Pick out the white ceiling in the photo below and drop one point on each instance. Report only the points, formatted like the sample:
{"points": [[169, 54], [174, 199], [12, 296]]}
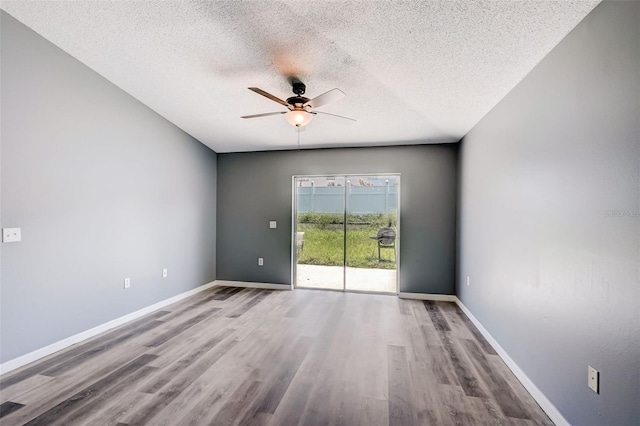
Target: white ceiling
{"points": [[413, 71]]}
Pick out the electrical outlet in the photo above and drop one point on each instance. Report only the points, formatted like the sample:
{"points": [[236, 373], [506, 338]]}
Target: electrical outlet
{"points": [[11, 235], [273, 224], [260, 261], [164, 273], [127, 282], [593, 379], [468, 283]]}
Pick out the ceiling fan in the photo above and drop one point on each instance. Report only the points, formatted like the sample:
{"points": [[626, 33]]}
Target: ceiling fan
{"points": [[300, 110]]}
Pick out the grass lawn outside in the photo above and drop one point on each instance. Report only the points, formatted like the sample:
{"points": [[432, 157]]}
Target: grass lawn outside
{"points": [[326, 246]]}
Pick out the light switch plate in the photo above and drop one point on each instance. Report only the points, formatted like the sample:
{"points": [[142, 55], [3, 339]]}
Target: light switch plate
{"points": [[260, 261], [127, 283], [11, 235], [273, 224], [593, 380], [165, 273]]}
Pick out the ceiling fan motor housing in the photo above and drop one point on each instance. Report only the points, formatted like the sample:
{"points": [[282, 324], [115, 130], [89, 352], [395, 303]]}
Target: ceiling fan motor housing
{"points": [[297, 101]]}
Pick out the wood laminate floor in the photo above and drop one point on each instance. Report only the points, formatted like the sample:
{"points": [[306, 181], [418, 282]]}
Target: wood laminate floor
{"points": [[260, 357]]}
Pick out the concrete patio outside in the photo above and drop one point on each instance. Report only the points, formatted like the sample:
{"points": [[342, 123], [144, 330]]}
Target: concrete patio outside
{"points": [[359, 279]]}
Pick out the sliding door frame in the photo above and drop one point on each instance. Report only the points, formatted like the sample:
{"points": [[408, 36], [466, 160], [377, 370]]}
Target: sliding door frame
{"points": [[294, 228]]}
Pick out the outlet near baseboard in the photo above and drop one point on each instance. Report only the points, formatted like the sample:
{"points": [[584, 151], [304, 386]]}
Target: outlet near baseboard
{"points": [[593, 379]]}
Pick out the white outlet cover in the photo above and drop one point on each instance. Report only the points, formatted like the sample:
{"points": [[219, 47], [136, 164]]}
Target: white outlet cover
{"points": [[593, 379], [260, 261], [164, 273], [273, 224], [11, 235], [468, 283], [127, 282]]}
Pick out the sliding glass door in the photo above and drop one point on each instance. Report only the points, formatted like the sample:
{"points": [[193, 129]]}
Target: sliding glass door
{"points": [[346, 232], [319, 232], [371, 233]]}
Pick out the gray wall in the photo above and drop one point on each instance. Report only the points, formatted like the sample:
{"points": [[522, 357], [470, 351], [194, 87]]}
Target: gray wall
{"points": [[102, 187], [554, 273], [254, 188]]}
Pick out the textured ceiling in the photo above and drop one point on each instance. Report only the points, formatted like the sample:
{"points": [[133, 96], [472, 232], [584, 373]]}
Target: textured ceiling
{"points": [[413, 72]]}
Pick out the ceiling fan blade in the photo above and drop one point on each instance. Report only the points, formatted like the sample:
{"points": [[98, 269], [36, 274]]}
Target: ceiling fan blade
{"points": [[325, 98], [269, 95], [266, 114], [335, 115]]}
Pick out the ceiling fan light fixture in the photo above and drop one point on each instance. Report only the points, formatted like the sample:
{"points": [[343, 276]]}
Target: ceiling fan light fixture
{"points": [[298, 118], [300, 110]]}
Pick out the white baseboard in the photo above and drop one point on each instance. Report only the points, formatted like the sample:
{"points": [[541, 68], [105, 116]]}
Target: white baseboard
{"points": [[425, 296], [544, 403], [65, 343], [266, 286]]}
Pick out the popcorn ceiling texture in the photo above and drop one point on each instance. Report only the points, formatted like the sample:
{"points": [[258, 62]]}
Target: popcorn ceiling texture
{"points": [[413, 72]]}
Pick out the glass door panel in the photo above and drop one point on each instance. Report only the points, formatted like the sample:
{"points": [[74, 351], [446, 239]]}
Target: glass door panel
{"points": [[319, 232], [372, 233]]}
